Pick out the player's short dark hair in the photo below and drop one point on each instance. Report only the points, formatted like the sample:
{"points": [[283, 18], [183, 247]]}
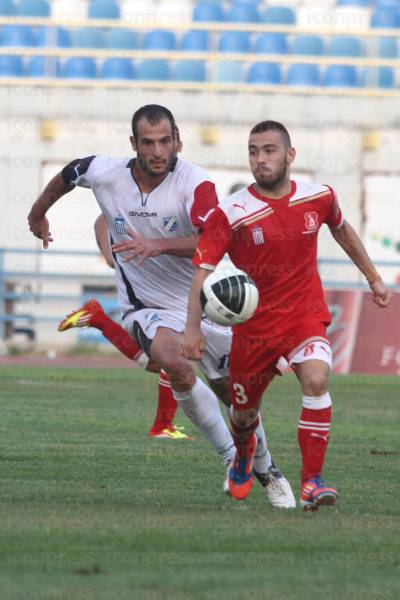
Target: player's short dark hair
{"points": [[154, 113], [273, 126]]}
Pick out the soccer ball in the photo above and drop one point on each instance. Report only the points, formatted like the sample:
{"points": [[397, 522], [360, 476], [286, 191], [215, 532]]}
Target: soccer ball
{"points": [[229, 296]]}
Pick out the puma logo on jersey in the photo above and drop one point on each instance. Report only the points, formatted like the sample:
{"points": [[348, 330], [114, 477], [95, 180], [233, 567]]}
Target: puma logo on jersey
{"points": [[242, 206]]}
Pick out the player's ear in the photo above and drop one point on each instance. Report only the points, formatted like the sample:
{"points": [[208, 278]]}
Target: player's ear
{"points": [[133, 142], [291, 155]]}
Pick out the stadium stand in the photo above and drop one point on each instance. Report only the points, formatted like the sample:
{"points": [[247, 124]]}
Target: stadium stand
{"points": [[103, 9], [7, 8], [33, 8], [118, 68], [307, 75], [80, 67], [265, 73], [11, 66]]}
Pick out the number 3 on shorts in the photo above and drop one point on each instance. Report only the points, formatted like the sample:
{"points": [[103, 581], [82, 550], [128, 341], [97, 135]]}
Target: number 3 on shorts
{"points": [[240, 393]]}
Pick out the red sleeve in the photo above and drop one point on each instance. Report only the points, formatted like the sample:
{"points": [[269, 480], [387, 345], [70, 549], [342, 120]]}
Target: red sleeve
{"points": [[205, 200], [214, 241], [334, 218]]}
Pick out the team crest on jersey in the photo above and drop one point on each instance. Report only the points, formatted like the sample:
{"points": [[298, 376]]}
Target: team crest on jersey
{"points": [[258, 236], [311, 221], [120, 225], [170, 223]]}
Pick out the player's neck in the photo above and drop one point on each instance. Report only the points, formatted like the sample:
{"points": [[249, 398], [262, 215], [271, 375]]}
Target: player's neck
{"points": [[146, 182], [281, 191]]}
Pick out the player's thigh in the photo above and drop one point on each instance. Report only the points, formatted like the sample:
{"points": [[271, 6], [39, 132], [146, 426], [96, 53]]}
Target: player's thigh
{"points": [[312, 364], [220, 387]]}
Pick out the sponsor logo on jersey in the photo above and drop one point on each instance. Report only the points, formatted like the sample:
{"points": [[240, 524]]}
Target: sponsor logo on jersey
{"points": [[170, 223], [258, 236], [242, 206], [311, 221], [135, 213], [120, 225], [152, 318], [223, 363]]}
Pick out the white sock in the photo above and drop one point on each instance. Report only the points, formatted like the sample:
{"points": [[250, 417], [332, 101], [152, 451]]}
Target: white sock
{"points": [[262, 459], [201, 406]]}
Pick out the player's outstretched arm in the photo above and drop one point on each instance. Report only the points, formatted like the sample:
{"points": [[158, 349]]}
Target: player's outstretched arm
{"points": [[348, 239], [141, 247], [193, 343], [38, 223]]}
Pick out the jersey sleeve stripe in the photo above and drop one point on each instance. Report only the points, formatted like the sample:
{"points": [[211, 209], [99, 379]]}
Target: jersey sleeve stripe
{"points": [[310, 198], [264, 212]]}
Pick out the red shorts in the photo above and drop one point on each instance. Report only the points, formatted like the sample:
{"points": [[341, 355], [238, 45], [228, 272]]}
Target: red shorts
{"points": [[253, 360]]}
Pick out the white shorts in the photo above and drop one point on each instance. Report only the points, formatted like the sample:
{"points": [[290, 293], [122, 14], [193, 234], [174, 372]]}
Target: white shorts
{"points": [[143, 324], [312, 350]]}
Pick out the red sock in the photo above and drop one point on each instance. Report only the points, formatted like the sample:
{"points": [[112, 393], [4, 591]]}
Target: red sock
{"points": [[242, 436], [115, 334], [166, 408], [313, 437]]}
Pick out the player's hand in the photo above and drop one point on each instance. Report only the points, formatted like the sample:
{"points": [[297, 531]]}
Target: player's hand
{"points": [[138, 247], [382, 294], [193, 344], [40, 229]]}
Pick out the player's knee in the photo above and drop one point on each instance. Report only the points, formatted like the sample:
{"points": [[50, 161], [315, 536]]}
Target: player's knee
{"points": [[244, 418], [182, 377], [315, 384]]}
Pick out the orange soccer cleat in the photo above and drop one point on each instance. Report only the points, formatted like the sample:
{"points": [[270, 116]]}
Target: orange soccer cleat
{"points": [[314, 493], [81, 316], [241, 471]]}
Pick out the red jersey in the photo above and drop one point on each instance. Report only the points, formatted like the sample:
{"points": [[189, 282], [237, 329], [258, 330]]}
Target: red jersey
{"points": [[275, 242]]}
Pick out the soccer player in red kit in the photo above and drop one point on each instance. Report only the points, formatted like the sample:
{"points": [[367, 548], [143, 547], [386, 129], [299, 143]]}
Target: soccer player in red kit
{"points": [[270, 230]]}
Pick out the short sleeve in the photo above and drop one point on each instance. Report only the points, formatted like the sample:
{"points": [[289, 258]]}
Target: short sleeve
{"points": [[334, 218], [78, 172], [204, 201], [214, 241]]}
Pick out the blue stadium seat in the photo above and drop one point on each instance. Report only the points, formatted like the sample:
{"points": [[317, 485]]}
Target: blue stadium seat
{"points": [[280, 15], [153, 70], [264, 73], [103, 9], [303, 74], [195, 41], [33, 8], [308, 45], [363, 3], [41, 66], [388, 48], [271, 43], [345, 46], [122, 39], [385, 17], [234, 41], [7, 8], [208, 10], [118, 68], [229, 72], [80, 67], [243, 12], [341, 76], [18, 35], [87, 37], [54, 36], [386, 77], [11, 66], [190, 70], [159, 40]]}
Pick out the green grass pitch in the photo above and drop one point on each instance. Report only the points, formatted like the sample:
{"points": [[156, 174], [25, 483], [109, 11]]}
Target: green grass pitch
{"points": [[92, 509]]}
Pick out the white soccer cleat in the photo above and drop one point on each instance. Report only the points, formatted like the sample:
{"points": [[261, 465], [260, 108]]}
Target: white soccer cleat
{"points": [[277, 488], [226, 479]]}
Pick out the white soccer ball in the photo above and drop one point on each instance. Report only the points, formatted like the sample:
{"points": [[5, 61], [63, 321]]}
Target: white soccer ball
{"points": [[229, 296]]}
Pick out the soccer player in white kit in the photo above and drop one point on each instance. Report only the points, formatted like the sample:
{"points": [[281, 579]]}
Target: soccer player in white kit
{"points": [[155, 205]]}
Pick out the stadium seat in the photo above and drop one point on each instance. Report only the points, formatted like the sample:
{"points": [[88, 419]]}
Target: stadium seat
{"points": [[103, 9], [271, 43], [159, 40], [234, 41], [388, 48], [80, 67], [303, 74], [33, 8], [41, 66], [54, 36], [153, 70], [118, 68], [345, 46], [11, 66], [18, 35], [264, 73], [280, 15], [386, 77], [208, 10], [243, 12], [122, 39], [190, 70], [229, 72], [195, 41], [341, 76], [307, 45], [7, 8], [385, 17], [364, 3], [87, 37]]}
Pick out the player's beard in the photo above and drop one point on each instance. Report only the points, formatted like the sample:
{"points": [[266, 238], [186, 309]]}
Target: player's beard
{"points": [[145, 166], [270, 185]]}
